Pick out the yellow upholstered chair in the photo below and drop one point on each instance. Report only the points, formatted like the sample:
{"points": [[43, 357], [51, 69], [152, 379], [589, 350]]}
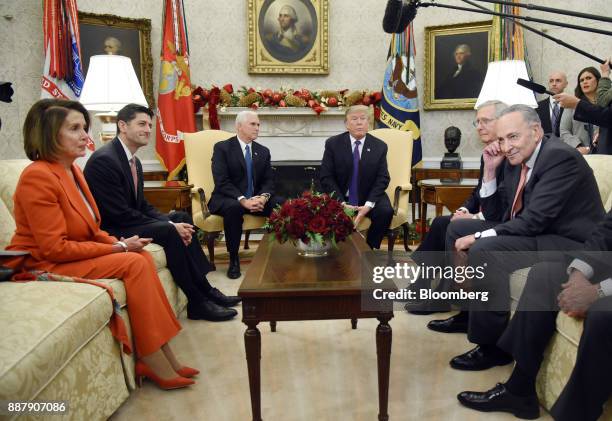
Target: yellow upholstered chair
{"points": [[399, 158], [602, 168], [198, 155]]}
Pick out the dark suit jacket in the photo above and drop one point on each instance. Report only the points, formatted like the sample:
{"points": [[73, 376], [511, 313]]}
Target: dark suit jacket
{"points": [[561, 198], [229, 172], [110, 180], [466, 84], [337, 168], [543, 111], [600, 116], [472, 204]]}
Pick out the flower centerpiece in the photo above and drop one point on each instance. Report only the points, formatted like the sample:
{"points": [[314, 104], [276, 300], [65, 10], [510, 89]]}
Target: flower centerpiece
{"points": [[314, 222]]}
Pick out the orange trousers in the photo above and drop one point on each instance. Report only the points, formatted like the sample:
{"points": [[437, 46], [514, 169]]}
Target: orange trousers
{"points": [[151, 316]]}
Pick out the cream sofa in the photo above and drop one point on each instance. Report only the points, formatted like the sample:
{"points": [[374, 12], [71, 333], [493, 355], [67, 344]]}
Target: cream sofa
{"points": [[56, 344], [560, 356]]}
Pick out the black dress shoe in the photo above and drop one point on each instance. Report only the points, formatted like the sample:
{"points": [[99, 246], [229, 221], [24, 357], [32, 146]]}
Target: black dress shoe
{"points": [[207, 310], [233, 271], [499, 399], [455, 324], [480, 359], [223, 300]]}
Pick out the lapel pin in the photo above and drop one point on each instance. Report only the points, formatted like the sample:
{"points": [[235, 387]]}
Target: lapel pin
{"points": [[368, 149], [255, 153]]}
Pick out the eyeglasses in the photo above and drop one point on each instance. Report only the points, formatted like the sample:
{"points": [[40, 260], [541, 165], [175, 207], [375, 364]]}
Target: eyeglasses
{"points": [[483, 121]]}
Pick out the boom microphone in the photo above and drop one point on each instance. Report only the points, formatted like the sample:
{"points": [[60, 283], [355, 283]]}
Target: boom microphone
{"points": [[398, 15], [535, 87]]}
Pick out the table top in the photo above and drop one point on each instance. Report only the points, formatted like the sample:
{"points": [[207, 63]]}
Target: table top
{"points": [[173, 184], [435, 182], [277, 270], [435, 165]]}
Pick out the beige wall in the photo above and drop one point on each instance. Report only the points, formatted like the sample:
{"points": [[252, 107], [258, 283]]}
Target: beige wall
{"points": [[217, 31]]}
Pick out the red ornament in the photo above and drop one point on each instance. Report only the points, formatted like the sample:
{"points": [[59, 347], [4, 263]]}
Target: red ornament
{"points": [[366, 100], [276, 98], [332, 102], [282, 103], [228, 88]]}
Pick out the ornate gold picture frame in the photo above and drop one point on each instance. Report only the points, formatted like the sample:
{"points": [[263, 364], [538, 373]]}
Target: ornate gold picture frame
{"points": [[106, 34], [456, 59], [288, 36]]}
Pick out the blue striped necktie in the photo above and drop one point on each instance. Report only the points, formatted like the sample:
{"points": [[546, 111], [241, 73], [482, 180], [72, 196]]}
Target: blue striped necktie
{"points": [[249, 169]]}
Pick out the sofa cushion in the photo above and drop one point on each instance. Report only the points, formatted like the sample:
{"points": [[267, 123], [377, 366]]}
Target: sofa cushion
{"points": [[44, 325], [158, 254], [7, 226], [10, 171]]}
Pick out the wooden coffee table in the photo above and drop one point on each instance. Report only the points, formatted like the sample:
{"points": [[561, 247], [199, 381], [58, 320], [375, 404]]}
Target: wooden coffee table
{"points": [[441, 193], [280, 285]]}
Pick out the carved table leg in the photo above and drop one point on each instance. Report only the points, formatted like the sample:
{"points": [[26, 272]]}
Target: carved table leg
{"points": [[383, 354], [252, 344]]}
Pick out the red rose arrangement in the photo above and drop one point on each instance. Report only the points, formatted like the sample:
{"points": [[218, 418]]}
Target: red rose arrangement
{"points": [[311, 217]]}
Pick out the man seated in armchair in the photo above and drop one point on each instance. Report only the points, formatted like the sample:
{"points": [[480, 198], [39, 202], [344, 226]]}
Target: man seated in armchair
{"points": [[354, 170], [243, 183]]}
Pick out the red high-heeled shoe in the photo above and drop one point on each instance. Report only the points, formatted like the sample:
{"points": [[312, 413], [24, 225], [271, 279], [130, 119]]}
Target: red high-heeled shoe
{"points": [[143, 370], [187, 372]]}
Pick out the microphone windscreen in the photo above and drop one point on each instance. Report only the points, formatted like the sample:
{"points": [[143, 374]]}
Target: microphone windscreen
{"points": [[532, 86], [398, 16], [393, 14], [409, 12]]}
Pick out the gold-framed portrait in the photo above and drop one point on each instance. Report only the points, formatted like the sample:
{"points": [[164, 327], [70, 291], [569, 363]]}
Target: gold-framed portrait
{"points": [[110, 34], [288, 36], [456, 59]]}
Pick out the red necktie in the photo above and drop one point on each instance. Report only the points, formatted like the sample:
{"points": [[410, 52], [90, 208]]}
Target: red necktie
{"points": [[134, 175], [517, 204]]}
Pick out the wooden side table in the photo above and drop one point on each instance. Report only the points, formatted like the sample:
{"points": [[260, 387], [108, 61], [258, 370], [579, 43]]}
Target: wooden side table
{"points": [[442, 193], [168, 195], [430, 170]]}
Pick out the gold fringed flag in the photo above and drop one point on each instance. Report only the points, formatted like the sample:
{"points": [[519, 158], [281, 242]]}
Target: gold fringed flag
{"points": [[399, 107], [174, 105], [62, 72]]}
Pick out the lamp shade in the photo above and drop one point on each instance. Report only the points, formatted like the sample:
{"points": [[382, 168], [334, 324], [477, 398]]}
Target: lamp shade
{"points": [[111, 84], [500, 84]]}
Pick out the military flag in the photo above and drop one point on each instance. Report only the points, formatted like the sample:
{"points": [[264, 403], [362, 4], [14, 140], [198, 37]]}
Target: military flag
{"points": [[174, 105], [399, 107]]}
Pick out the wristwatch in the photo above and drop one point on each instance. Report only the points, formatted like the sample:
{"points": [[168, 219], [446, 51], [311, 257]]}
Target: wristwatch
{"points": [[477, 235]]}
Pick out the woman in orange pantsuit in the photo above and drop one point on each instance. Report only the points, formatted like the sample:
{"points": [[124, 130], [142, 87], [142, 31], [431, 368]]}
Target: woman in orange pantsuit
{"points": [[59, 224]]}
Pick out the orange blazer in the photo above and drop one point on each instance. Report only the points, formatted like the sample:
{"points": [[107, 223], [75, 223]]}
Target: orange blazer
{"points": [[53, 222]]}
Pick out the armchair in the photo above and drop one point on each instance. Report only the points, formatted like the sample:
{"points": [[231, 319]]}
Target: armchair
{"points": [[198, 155], [399, 156]]}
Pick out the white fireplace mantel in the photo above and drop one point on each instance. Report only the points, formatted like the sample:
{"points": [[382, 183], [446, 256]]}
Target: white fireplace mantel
{"points": [[291, 134]]}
